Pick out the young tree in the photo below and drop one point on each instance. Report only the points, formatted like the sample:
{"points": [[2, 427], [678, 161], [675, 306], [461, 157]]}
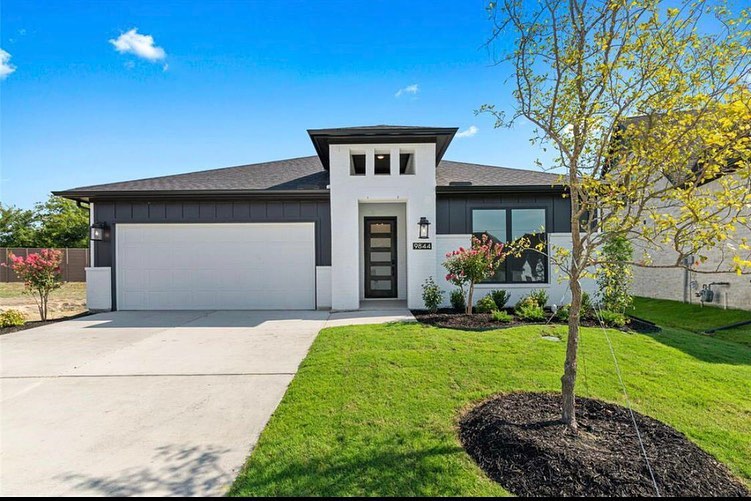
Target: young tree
{"points": [[40, 274], [582, 71]]}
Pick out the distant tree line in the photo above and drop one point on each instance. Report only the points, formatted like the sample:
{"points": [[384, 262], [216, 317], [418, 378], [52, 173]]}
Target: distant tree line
{"points": [[58, 222]]}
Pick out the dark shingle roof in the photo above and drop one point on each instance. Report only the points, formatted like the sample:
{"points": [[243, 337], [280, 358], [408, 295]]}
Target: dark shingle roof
{"points": [[460, 173], [305, 174]]}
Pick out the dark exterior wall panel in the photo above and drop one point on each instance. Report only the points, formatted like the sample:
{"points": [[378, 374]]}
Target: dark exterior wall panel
{"points": [[191, 211], [454, 212]]}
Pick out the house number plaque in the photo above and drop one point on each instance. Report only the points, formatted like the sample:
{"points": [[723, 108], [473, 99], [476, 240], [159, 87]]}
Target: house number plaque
{"points": [[422, 245]]}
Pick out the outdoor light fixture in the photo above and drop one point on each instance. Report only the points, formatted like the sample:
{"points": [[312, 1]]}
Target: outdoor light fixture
{"points": [[380, 157], [97, 232], [424, 226]]}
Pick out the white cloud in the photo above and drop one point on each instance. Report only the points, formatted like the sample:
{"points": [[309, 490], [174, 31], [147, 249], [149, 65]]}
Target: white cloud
{"points": [[471, 131], [141, 45], [410, 89], [5, 67]]}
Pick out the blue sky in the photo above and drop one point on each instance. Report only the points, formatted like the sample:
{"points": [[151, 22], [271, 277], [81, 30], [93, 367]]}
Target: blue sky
{"points": [[239, 82]]}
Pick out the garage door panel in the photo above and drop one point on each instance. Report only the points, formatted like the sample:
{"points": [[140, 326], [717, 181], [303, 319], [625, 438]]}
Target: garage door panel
{"points": [[216, 266]]}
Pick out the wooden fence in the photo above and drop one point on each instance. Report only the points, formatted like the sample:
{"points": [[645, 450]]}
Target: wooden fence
{"points": [[74, 262]]}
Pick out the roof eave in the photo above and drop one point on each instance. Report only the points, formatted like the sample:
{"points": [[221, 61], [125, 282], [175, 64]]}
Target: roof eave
{"points": [[87, 196], [531, 188], [321, 138]]}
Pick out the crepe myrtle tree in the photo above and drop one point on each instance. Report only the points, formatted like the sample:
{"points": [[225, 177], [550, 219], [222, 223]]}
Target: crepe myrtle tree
{"points": [[644, 109], [41, 275], [468, 267]]}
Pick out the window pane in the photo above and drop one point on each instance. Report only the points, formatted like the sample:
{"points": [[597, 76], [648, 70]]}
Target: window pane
{"points": [[531, 266], [527, 222], [490, 221], [380, 257], [380, 285], [380, 228], [380, 242], [380, 271]]}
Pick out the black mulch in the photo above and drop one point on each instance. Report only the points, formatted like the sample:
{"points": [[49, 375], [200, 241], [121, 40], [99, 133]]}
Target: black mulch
{"points": [[449, 319], [39, 323], [519, 441]]}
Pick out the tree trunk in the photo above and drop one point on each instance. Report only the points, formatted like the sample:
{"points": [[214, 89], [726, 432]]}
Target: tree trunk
{"points": [[469, 297], [568, 380]]}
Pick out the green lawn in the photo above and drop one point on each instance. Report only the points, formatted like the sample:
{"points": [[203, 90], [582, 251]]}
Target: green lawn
{"points": [[372, 410], [694, 318]]}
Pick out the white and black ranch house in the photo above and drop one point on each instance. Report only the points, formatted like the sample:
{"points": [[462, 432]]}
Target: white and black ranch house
{"points": [[334, 230]]}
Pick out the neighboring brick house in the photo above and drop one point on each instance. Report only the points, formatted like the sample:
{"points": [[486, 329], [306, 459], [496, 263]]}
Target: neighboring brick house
{"points": [[679, 284]]}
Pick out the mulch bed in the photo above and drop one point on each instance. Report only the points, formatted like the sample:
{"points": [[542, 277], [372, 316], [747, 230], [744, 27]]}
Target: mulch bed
{"points": [[519, 441], [449, 319], [39, 323]]}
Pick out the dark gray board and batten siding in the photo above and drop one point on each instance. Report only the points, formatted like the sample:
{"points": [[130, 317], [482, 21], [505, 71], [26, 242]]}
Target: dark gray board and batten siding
{"points": [[454, 212], [194, 211]]}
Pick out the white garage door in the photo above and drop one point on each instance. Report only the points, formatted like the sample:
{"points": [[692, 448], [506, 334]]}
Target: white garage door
{"points": [[254, 266]]}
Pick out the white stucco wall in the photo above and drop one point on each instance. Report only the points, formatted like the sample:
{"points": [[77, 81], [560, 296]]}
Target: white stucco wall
{"points": [[557, 285], [99, 288], [416, 192], [323, 287]]}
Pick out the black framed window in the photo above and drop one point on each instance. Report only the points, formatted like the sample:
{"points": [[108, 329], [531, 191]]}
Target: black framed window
{"points": [[507, 225]]}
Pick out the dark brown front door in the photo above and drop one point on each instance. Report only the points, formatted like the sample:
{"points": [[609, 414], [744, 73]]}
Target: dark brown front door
{"points": [[380, 257]]}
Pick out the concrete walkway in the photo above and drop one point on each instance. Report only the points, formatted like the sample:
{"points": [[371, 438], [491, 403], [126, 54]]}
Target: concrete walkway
{"points": [[147, 403]]}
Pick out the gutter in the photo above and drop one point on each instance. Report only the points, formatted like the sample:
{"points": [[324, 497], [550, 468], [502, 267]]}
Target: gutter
{"points": [[473, 190]]}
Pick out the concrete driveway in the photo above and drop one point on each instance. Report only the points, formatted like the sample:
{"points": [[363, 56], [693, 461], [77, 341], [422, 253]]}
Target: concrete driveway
{"points": [[143, 403]]}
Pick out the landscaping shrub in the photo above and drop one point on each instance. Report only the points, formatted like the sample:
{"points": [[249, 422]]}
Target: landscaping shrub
{"points": [[486, 304], [500, 297], [502, 316], [11, 318], [540, 296], [613, 318], [432, 295], [457, 300], [587, 308], [529, 309], [614, 275]]}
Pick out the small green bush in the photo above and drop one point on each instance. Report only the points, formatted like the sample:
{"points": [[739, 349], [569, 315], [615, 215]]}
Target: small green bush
{"points": [[432, 295], [12, 318], [528, 309], [540, 296], [563, 313], [613, 318], [486, 304], [502, 316], [500, 297], [457, 301], [587, 308]]}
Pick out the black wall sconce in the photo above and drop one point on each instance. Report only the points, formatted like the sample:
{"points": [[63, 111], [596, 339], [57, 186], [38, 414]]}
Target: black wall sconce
{"points": [[424, 227], [97, 232]]}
